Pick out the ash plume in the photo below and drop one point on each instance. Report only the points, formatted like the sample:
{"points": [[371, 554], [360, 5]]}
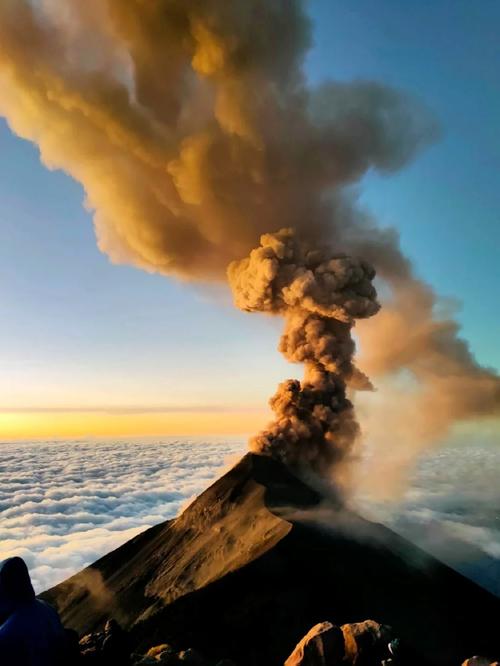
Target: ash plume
{"points": [[320, 295], [193, 131]]}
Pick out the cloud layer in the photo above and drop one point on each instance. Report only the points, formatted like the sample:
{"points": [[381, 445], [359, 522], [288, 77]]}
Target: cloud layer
{"points": [[63, 505], [451, 509]]}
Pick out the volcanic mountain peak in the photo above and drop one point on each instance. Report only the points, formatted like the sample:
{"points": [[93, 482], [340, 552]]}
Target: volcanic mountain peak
{"points": [[259, 558], [232, 523], [235, 521]]}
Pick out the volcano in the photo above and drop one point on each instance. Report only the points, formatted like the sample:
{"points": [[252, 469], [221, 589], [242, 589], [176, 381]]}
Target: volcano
{"points": [[259, 558]]}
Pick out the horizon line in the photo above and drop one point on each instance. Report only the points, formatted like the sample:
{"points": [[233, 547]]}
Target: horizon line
{"points": [[133, 409]]}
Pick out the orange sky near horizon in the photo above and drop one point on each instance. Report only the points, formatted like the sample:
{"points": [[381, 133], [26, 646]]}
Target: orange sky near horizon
{"points": [[34, 425]]}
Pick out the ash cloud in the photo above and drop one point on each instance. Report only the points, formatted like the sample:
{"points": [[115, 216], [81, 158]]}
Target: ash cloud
{"points": [[193, 132], [320, 295], [190, 125]]}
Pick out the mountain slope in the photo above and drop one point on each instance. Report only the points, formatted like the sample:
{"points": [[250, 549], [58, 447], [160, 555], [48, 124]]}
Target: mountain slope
{"points": [[257, 559]]}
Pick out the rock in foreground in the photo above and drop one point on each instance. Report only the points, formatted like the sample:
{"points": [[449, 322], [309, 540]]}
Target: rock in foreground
{"points": [[357, 644], [323, 645]]}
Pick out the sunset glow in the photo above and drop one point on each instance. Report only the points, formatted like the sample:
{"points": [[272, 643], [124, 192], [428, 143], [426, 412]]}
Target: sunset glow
{"points": [[64, 424]]}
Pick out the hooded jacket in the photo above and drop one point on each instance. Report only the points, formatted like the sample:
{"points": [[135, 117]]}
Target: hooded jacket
{"points": [[31, 633]]}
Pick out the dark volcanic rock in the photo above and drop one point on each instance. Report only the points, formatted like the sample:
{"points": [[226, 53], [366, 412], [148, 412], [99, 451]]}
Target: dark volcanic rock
{"points": [[366, 642], [358, 644], [323, 645], [108, 647], [257, 560]]}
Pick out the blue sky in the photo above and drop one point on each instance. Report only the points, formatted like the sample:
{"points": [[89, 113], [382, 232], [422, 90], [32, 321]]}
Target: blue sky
{"points": [[77, 331]]}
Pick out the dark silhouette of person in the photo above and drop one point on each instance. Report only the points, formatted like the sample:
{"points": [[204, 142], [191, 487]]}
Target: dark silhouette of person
{"points": [[31, 633]]}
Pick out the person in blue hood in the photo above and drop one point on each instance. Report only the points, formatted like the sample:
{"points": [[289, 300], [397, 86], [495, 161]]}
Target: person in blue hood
{"points": [[31, 633]]}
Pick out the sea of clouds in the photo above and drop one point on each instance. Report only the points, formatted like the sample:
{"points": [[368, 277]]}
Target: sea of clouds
{"points": [[451, 508], [65, 504]]}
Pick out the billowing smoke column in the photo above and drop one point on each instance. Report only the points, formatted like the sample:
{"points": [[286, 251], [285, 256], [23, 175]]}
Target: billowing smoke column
{"points": [[193, 132], [319, 294], [189, 123]]}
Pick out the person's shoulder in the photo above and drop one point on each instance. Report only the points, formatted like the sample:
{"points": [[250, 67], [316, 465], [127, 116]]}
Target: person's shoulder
{"points": [[43, 605], [49, 612], [6, 626], [12, 627], [46, 609], [33, 613], [8, 639]]}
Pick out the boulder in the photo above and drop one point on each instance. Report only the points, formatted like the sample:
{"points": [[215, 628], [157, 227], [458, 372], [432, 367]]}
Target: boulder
{"points": [[159, 654], [116, 644], [162, 653], [91, 648], [323, 645], [191, 657], [365, 642], [167, 658], [108, 647], [158, 649], [356, 644]]}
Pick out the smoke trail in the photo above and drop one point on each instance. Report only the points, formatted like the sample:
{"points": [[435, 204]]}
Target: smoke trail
{"points": [[193, 132], [427, 376]]}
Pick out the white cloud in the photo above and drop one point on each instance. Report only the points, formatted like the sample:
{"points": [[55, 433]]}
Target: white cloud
{"points": [[63, 505], [452, 508]]}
